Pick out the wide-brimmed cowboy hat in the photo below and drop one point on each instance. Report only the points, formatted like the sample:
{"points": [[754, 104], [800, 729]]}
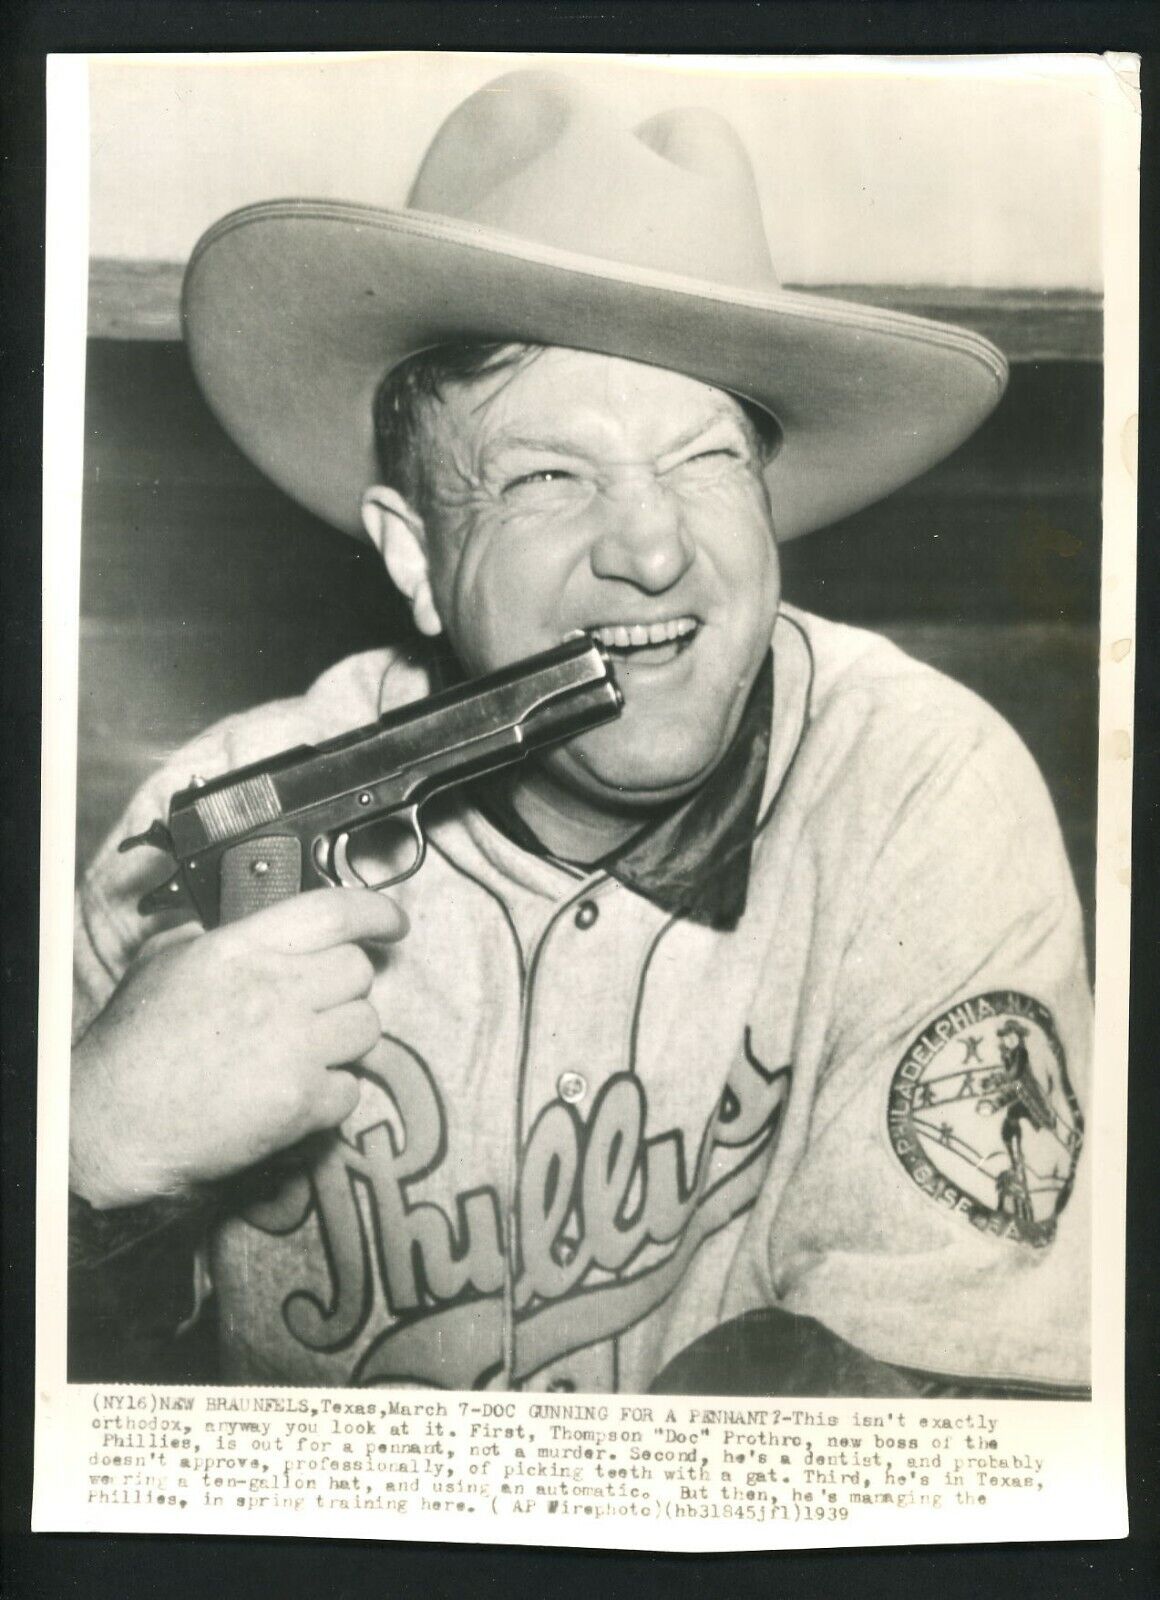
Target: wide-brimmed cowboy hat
{"points": [[538, 217]]}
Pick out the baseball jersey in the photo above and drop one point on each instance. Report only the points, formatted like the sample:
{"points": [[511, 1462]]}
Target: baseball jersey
{"points": [[595, 1127]]}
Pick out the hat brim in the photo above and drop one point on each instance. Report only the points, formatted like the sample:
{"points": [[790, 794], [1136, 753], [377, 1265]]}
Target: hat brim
{"points": [[293, 311]]}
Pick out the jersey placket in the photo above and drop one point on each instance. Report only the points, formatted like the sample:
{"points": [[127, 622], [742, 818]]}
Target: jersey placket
{"points": [[579, 997]]}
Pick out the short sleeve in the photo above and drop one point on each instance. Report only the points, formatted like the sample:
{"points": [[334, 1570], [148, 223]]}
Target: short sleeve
{"points": [[938, 1219]]}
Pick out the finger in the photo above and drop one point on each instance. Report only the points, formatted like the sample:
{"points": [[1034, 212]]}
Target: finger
{"points": [[346, 1032], [331, 977], [337, 1099], [320, 920]]}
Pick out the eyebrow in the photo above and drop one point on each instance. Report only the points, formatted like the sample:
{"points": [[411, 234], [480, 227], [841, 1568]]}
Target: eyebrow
{"points": [[564, 446], [537, 441], [695, 433]]}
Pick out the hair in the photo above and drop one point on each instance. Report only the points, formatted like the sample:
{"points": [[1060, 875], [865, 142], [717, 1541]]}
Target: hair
{"points": [[407, 390]]}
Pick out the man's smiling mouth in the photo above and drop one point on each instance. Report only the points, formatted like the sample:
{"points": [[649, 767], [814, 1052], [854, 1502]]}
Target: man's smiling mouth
{"points": [[646, 643]]}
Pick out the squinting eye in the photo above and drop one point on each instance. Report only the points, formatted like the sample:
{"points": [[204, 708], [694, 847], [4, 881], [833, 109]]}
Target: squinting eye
{"points": [[710, 455], [547, 475], [707, 463]]}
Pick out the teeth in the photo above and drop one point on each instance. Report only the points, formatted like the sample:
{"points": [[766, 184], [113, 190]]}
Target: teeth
{"points": [[635, 635]]}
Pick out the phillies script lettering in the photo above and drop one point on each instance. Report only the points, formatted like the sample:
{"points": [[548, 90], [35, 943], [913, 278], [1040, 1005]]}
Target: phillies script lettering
{"points": [[606, 1220]]}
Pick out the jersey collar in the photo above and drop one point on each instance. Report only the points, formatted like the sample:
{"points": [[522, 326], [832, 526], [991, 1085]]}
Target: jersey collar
{"points": [[694, 861]]}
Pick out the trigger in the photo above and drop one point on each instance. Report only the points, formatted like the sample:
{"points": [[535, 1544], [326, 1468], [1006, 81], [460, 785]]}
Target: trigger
{"points": [[328, 869], [345, 872]]}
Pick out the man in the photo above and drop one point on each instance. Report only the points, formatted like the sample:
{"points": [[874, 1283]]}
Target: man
{"points": [[672, 1067]]}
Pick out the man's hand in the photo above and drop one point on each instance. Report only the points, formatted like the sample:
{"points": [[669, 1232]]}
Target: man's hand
{"points": [[220, 1049]]}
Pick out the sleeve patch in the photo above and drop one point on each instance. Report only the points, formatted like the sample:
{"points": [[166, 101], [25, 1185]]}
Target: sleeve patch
{"points": [[983, 1117]]}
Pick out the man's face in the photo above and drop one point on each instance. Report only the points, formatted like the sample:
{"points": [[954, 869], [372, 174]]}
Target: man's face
{"points": [[581, 491]]}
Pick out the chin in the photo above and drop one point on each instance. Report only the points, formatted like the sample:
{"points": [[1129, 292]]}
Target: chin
{"points": [[637, 778]]}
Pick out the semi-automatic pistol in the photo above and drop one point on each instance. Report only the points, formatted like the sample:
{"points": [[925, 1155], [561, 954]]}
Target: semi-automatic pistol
{"points": [[294, 822]]}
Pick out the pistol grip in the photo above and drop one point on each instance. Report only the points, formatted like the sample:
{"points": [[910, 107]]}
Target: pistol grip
{"points": [[258, 873]]}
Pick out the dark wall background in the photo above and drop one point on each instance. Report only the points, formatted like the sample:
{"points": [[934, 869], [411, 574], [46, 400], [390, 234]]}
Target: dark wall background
{"points": [[205, 590]]}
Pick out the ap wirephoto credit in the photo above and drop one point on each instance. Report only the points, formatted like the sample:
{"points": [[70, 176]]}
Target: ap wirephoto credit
{"points": [[596, 829]]}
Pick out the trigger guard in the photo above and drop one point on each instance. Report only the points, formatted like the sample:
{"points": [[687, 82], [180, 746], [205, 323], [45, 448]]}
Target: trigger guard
{"points": [[347, 876]]}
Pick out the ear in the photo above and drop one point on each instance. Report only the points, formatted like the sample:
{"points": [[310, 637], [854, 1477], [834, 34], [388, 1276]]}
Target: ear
{"points": [[397, 533]]}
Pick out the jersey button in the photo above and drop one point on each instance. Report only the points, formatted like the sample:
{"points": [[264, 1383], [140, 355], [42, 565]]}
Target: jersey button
{"points": [[586, 914], [572, 1086]]}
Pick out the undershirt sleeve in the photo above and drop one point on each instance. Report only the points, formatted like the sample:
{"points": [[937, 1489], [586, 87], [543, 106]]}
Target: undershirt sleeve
{"points": [[132, 1281]]}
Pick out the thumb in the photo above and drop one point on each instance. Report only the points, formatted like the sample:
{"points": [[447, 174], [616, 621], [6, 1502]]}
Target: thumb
{"points": [[169, 939]]}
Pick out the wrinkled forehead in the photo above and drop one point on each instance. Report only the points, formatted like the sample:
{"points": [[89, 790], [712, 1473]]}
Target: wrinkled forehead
{"points": [[554, 397]]}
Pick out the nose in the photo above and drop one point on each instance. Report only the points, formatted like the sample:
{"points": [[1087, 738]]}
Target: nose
{"points": [[644, 541]]}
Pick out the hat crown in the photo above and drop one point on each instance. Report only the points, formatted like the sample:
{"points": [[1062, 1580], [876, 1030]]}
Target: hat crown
{"points": [[536, 155]]}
